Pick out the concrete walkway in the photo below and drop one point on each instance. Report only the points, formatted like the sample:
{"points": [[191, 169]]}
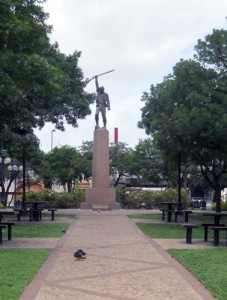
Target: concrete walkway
{"points": [[121, 264]]}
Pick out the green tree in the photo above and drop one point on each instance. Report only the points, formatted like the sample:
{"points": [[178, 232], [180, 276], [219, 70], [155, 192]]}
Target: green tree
{"points": [[186, 113], [38, 83], [21, 145], [148, 164], [64, 166], [120, 157]]}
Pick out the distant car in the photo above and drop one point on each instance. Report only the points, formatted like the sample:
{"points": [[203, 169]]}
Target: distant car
{"points": [[208, 205]]}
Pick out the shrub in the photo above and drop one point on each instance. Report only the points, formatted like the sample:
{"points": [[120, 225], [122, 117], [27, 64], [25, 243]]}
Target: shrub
{"points": [[151, 199], [1, 205], [120, 194], [57, 199], [223, 206]]}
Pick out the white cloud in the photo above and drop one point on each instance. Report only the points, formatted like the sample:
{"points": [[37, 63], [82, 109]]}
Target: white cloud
{"points": [[141, 39]]}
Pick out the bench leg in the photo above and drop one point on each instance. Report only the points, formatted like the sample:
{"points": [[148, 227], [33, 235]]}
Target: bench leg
{"points": [[169, 216], [205, 233], [9, 232], [1, 235], [186, 217], [216, 237], [36, 216], [52, 215], [163, 215], [189, 235]]}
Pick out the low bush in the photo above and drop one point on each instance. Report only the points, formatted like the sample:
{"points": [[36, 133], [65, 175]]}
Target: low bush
{"points": [[223, 206], [151, 199], [57, 199]]}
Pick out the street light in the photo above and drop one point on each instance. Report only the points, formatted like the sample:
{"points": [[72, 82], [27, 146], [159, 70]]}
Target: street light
{"points": [[4, 159], [15, 169], [179, 204], [23, 132], [52, 135]]}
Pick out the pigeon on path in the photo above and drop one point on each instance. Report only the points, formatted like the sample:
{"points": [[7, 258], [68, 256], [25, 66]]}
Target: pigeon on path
{"points": [[80, 254]]}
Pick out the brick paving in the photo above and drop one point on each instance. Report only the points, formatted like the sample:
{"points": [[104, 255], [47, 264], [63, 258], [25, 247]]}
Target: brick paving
{"points": [[121, 264]]}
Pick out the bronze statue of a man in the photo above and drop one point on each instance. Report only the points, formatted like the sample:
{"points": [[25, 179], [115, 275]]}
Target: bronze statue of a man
{"points": [[102, 102]]}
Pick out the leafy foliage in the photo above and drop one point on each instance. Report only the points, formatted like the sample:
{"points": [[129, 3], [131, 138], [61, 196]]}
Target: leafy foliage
{"points": [[65, 166], [150, 199], [148, 164], [58, 199], [119, 161], [38, 83], [186, 113]]}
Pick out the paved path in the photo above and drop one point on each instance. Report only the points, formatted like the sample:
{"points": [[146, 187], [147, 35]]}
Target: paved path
{"points": [[121, 264]]}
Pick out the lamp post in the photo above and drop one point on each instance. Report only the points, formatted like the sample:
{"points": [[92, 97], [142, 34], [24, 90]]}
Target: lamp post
{"points": [[179, 204], [23, 132], [4, 159], [52, 138], [15, 169]]}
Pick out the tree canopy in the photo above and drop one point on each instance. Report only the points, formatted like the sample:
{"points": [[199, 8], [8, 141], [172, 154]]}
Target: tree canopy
{"points": [[64, 166], [38, 83], [187, 112]]}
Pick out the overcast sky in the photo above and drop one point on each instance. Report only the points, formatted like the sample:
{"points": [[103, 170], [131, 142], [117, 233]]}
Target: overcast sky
{"points": [[141, 39]]}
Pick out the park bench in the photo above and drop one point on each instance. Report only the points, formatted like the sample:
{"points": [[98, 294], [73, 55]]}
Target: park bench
{"points": [[168, 212], [206, 226], [182, 212], [52, 210], [1, 228], [20, 212], [216, 230], [35, 214], [9, 226], [163, 214], [189, 227], [168, 208]]}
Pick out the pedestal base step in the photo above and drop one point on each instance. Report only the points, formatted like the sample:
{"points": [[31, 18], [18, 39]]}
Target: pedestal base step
{"points": [[99, 207], [109, 206]]}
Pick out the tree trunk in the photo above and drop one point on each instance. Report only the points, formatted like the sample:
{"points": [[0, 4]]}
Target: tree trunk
{"points": [[69, 186], [118, 179], [217, 194]]}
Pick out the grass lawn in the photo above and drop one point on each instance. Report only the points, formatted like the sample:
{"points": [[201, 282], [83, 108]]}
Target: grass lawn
{"points": [[146, 216], [38, 230], [208, 265], [192, 216], [18, 267], [173, 231], [168, 231]]}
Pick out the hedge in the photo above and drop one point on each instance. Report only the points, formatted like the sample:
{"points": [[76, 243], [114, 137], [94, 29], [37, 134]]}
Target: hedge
{"points": [[150, 199], [57, 199]]}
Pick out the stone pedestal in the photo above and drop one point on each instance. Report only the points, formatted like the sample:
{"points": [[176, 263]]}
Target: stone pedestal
{"points": [[100, 196]]}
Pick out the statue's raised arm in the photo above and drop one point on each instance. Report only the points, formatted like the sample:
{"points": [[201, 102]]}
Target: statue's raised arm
{"points": [[96, 83]]}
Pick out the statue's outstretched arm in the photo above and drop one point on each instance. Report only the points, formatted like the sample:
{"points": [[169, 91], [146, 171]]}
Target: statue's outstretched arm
{"points": [[96, 82]]}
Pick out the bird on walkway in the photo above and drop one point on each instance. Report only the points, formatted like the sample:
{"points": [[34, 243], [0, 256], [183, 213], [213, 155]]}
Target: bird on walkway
{"points": [[80, 254]]}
